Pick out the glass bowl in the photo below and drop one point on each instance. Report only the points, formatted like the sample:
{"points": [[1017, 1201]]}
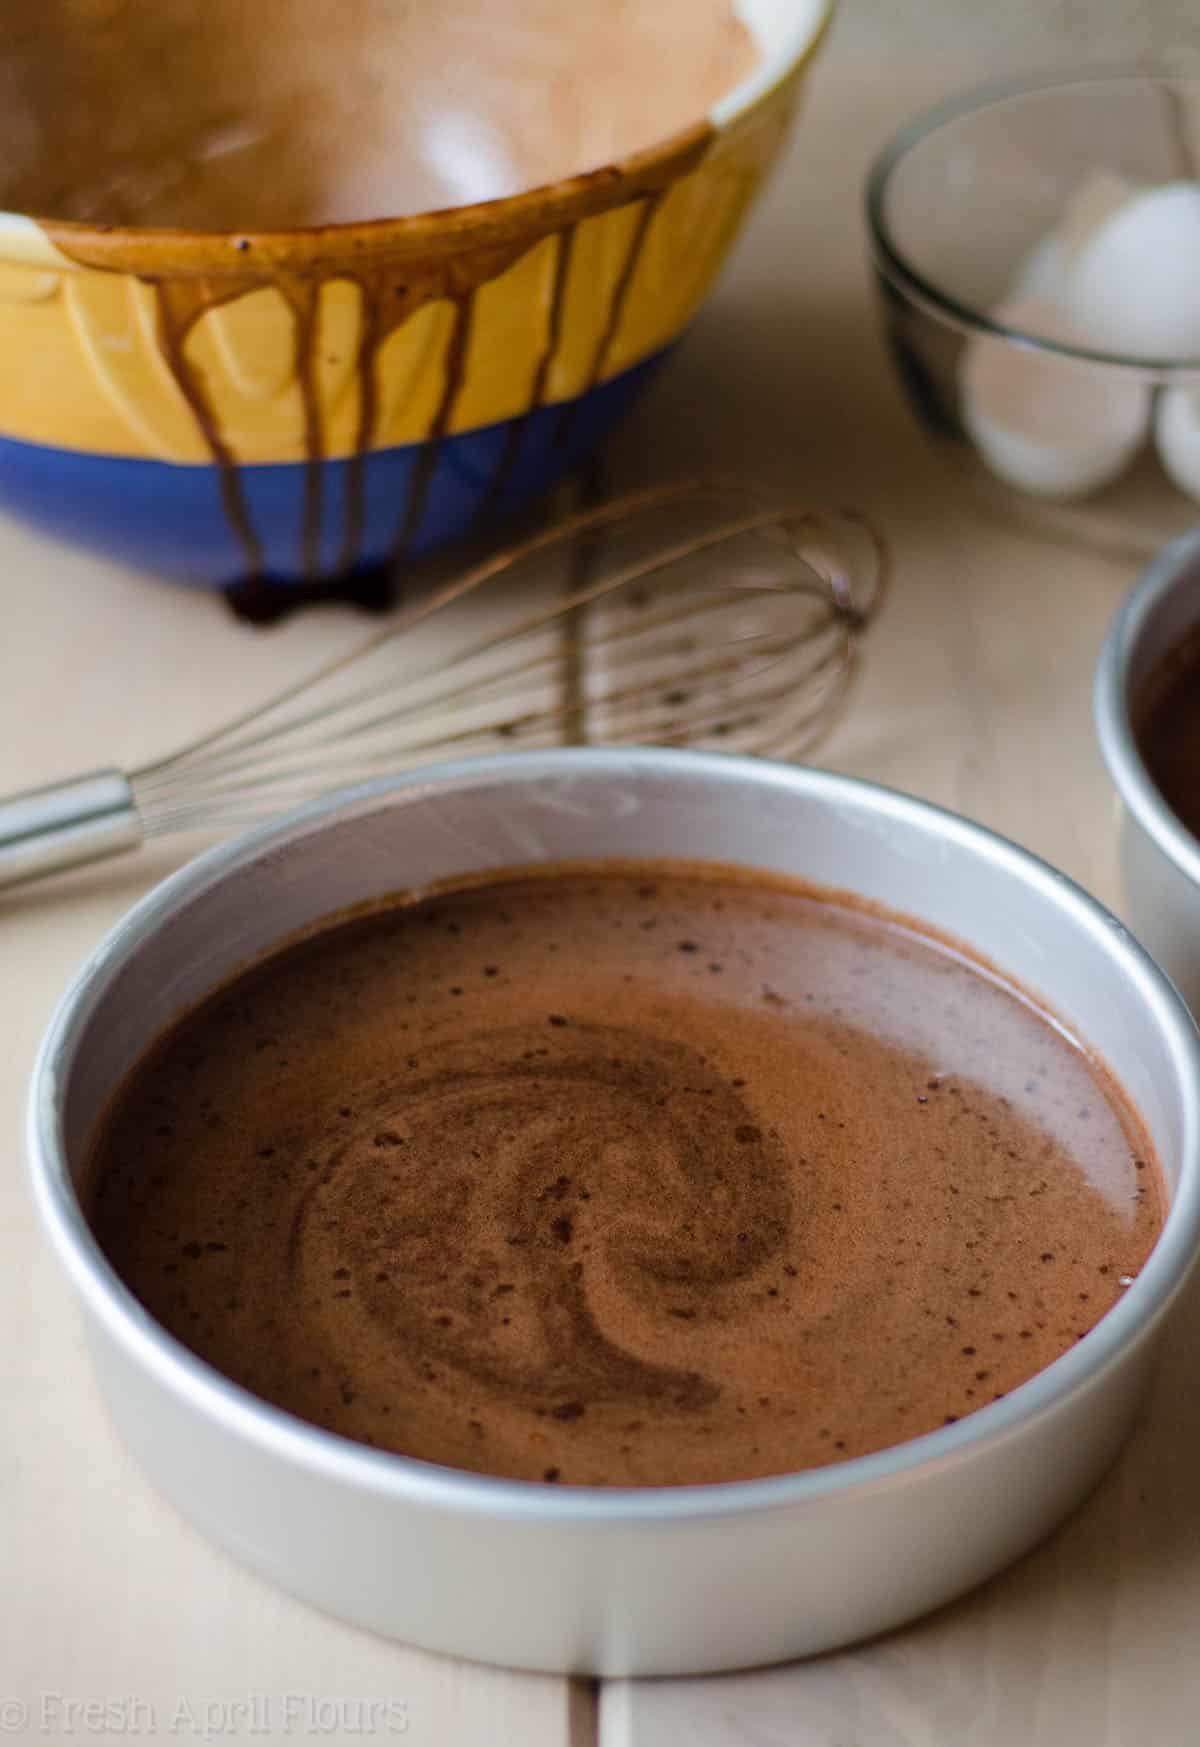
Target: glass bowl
{"points": [[989, 201]]}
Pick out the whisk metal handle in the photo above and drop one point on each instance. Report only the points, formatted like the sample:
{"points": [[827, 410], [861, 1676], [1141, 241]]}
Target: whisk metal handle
{"points": [[67, 824]]}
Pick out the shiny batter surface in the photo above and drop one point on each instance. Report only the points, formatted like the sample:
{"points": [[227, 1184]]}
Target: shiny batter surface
{"points": [[1168, 730], [624, 1177]]}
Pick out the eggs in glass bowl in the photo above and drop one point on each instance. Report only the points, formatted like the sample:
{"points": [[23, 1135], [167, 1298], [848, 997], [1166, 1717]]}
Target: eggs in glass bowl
{"points": [[1037, 253]]}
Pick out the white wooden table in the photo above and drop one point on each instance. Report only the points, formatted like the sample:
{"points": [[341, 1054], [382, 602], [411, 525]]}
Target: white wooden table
{"points": [[975, 695]]}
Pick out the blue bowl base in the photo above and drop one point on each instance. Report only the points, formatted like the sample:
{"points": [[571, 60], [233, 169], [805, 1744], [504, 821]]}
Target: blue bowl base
{"points": [[170, 520]]}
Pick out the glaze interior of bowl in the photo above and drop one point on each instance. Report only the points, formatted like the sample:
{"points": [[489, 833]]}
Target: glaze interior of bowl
{"points": [[218, 115]]}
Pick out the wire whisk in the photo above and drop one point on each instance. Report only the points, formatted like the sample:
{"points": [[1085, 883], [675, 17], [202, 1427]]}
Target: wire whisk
{"points": [[702, 613]]}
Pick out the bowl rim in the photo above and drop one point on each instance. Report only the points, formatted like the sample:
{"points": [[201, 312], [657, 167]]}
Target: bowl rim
{"points": [[342, 1463], [1176, 568], [181, 251], [893, 264]]}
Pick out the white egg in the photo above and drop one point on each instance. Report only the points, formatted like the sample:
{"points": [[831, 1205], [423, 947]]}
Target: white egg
{"points": [[1134, 287], [1098, 198], [1043, 273], [1177, 435], [1050, 426]]}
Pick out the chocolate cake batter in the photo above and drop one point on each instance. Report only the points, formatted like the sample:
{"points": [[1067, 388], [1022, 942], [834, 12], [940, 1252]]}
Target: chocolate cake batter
{"points": [[631, 1176], [1168, 730], [241, 115]]}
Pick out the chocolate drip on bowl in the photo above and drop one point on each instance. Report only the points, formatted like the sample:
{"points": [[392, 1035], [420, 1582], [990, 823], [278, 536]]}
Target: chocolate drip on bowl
{"points": [[241, 144]]}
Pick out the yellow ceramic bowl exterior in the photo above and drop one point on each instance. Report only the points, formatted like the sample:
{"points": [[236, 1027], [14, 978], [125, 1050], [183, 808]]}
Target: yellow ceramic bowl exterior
{"points": [[81, 366], [308, 349]]}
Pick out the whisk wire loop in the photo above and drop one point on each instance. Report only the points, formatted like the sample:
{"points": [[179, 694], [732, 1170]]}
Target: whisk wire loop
{"points": [[698, 612]]}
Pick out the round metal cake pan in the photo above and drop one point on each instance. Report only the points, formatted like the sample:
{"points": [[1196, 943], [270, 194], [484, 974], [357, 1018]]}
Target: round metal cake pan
{"points": [[617, 1581]]}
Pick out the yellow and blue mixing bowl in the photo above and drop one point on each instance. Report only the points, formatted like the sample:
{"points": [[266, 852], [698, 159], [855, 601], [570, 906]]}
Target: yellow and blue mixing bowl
{"points": [[291, 407]]}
